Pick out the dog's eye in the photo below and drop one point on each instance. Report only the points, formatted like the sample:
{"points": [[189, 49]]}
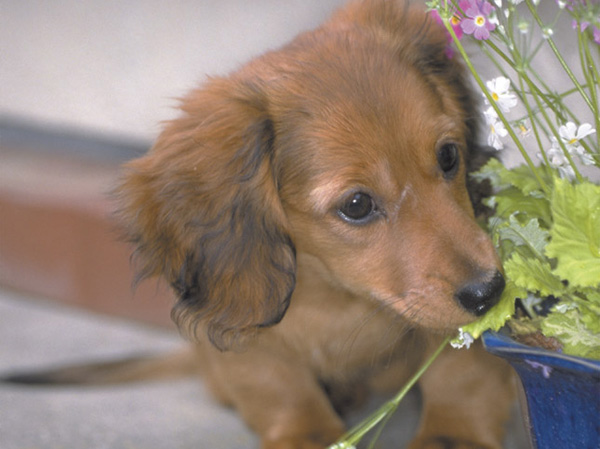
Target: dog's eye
{"points": [[448, 159], [358, 208]]}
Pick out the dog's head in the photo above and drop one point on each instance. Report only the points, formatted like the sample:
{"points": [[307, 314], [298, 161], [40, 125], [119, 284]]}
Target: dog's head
{"points": [[351, 144]]}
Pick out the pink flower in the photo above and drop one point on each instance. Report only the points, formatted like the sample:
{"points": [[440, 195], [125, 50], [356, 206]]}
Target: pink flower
{"points": [[454, 23], [597, 35], [477, 20], [581, 26]]}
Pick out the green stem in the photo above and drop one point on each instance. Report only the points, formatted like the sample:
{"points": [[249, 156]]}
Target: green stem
{"points": [[353, 437], [522, 72], [534, 126], [590, 70], [561, 60], [553, 129], [492, 102]]}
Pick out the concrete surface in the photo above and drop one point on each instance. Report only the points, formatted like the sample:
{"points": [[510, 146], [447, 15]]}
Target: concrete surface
{"points": [[175, 414], [170, 414]]}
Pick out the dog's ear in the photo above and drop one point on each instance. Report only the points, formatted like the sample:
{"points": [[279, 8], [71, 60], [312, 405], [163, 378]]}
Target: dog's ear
{"points": [[203, 210]]}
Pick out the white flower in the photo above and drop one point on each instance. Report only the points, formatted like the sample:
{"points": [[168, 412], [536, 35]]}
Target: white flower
{"points": [[464, 339], [571, 134], [557, 159], [524, 130], [496, 129], [531, 301], [586, 158], [499, 89], [523, 26], [564, 307]]}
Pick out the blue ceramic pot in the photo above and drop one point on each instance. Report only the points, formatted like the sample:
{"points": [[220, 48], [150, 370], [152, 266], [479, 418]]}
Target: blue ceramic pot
{"points": [[562, 394]]}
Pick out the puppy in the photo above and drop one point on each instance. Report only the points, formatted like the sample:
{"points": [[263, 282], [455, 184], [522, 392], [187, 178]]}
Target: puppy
{"points": [[311, 212]]}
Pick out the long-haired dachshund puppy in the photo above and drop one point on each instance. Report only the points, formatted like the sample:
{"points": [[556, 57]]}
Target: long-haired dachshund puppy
{"points": [[312, 213]]}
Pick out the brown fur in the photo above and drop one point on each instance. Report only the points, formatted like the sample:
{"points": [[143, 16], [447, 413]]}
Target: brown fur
{"points": [[237, 207]]}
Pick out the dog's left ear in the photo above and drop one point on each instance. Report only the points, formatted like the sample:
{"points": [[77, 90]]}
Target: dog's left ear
{"points": [[203, 210]]}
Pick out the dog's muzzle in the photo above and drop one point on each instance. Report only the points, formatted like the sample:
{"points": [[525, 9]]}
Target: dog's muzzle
{"points": [[481, 295]]}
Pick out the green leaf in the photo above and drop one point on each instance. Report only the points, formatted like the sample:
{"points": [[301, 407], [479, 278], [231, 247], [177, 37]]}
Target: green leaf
{"points": [[495, 318], [593, 296], [568, 328], [511, 200], [575, 236], [521, 177], [531, 235], [589, 308], [501, 177], [533, 275], [491, 172]]}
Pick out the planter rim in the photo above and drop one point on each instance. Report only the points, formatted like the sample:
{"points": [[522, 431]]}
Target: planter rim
{"points": [[501, 344]]}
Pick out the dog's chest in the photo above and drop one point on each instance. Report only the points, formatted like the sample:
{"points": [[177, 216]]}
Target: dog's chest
{"points": [[339, 333]]}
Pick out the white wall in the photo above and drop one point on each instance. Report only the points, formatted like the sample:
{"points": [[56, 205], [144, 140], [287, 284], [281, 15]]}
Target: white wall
{"points": [[116, 66]]}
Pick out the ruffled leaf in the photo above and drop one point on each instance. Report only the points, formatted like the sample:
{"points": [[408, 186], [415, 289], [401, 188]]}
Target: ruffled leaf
{"points": [[531, 235], [574, 335], [533, 275], [575, 236], [512, 201]]}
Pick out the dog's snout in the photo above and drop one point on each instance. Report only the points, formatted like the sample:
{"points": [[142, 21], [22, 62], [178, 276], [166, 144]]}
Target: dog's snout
{"points": [[480, 295]]}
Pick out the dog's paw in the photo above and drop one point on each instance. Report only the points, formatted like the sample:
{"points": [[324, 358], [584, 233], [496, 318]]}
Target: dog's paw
{"points": [[441, 442]]}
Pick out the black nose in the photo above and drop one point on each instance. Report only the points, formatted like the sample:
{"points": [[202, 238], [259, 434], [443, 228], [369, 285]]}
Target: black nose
{"points": [[479, 296]]}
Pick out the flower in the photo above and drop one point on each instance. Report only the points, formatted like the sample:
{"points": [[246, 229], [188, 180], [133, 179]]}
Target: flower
{"points": [[579, 26], [523, 26], [499, 89], [524, 130], [547, 32], [571, 135], [477, 21], [464, 339], [557, 159], [454, 20], [496, 128], [584, 13]]}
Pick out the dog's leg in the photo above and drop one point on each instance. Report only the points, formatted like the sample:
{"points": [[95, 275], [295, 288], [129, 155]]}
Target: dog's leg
{"points": [[279, 398], [467, 396]]}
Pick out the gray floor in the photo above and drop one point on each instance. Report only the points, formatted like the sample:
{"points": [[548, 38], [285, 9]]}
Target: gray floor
{"points": [[36, 333]]}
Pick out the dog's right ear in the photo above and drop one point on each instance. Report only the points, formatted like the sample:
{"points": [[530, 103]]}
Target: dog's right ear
{"points": [[203, 210]]}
